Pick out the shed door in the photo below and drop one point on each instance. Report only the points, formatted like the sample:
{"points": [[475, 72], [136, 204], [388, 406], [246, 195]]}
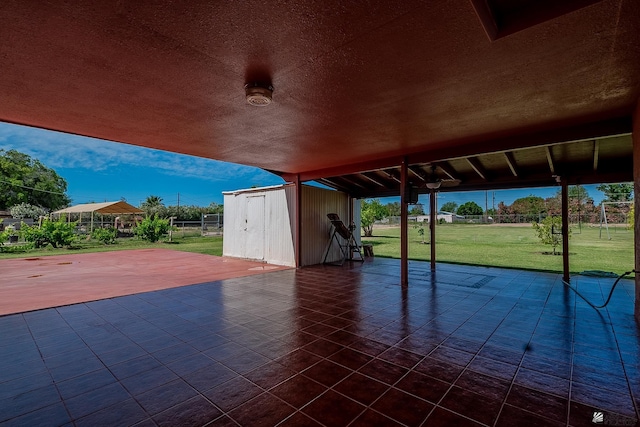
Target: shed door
{"points": [[255, 227]]}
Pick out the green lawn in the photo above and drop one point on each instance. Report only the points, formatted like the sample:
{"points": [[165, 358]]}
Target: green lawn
{"points": [[202, 245], [513, 246]]}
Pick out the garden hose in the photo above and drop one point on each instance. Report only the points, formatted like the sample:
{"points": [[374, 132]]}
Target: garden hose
{"points": [[598, 307]]}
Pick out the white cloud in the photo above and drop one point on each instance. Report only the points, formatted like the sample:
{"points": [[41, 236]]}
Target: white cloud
{"points": [[60, 150]]}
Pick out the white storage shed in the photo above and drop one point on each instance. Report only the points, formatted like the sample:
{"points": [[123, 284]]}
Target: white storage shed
{"points": [[259, 223]]}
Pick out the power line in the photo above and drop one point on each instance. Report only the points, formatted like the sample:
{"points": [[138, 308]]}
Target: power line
{"points": [[31, 188]]}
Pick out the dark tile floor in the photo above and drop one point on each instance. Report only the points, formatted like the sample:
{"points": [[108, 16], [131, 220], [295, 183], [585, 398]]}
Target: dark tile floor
{"points": [[330, 346]]}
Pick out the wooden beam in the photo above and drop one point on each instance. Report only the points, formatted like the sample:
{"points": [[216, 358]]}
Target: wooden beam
{"points": [[552, 167], [511, 162], [447, 169], [352, 182], [565, 230], [298, 222], [475, 164], [596, 154], [419, 173], [433, 218], [393, 177], [373, 180], [404, 225], [329, 183], [636, 204]]}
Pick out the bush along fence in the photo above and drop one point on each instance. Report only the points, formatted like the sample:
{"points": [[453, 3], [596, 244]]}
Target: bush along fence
{"points": [[22, 235]]}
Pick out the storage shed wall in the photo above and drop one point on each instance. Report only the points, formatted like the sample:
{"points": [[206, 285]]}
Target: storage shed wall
{"points": [[269, 234], [259, 225], [315, 226]]}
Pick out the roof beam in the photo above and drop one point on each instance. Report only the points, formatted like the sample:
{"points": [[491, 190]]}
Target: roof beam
{"points": [[446, 168], [511, 162], [596, 155], [418, 172], [552, 167], [391, 175], [582, 132], [475, 164], [373, 180], [351, 181], [329, 183]]}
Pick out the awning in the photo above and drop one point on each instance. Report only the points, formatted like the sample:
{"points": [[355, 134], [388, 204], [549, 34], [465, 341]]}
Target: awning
{"points": [[115, 208]]}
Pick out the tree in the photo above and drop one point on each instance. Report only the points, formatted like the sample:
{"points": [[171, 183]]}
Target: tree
{"points": [[416, 210], [577, 192], [214, 208], [549, 231], [26, 180], [25, 210], [371, 212], [449, 207], [621, 192], [393, 209], [470, 208], [153, 206], [529, 206]]}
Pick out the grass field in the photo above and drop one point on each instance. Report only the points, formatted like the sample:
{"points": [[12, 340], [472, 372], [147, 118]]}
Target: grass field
{"points": [[514, 246], [202, 245]]}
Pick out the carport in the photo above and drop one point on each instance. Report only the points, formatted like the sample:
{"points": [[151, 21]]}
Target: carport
{"points": [[106, 208], [370, 98]]}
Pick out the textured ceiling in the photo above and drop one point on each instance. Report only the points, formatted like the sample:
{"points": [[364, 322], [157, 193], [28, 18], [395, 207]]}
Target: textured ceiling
{"points": [[358, 85]]}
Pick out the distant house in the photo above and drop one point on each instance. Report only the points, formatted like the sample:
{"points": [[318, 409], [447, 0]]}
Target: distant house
{"points": [[448, 217]]}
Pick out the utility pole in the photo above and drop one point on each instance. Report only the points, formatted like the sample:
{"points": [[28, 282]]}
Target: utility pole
{"points": [[178, 208], [486, 206]]}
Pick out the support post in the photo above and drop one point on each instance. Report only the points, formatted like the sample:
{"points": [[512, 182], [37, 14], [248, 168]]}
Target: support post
{"points": [[565, 230], [636, 204], [433, 217], [298, 248], [404, 225]]}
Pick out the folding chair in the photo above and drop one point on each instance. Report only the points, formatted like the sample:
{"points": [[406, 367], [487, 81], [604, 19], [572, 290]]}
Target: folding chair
{"points": [[348, 246]]}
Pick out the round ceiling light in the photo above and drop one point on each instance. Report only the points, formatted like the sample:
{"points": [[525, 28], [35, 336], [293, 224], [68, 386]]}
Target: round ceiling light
{"points": [[258, 95]]}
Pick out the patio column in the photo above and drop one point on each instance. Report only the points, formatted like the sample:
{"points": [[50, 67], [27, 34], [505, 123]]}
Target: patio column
{"points": [[565, 230], [298, 240], [404, 226], [433, 217], [636, 203]]}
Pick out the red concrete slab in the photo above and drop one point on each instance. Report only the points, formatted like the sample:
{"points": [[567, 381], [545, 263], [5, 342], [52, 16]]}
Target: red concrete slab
{"points": [[35, 283]]}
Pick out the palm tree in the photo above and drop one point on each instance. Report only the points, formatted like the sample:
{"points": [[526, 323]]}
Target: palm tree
{"points": [[152, 205]]}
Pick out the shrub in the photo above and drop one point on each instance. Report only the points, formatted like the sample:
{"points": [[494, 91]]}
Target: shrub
{"points": [[4, 235], [57, 233], [152, 228], [105, 235]]}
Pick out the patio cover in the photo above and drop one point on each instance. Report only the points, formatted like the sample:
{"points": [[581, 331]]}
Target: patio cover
{"points": [[116, 208]]}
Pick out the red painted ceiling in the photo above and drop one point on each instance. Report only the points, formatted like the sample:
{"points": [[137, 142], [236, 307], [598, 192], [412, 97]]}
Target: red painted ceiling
{"points": [[355, 82]]}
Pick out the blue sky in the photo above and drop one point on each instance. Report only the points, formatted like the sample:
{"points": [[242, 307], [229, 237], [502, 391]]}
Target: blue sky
{"points": [[98, 171]]}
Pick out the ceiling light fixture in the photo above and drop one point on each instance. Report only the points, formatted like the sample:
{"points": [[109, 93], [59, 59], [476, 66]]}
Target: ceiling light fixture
{"points": [[434, 185], [258, 95]]}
